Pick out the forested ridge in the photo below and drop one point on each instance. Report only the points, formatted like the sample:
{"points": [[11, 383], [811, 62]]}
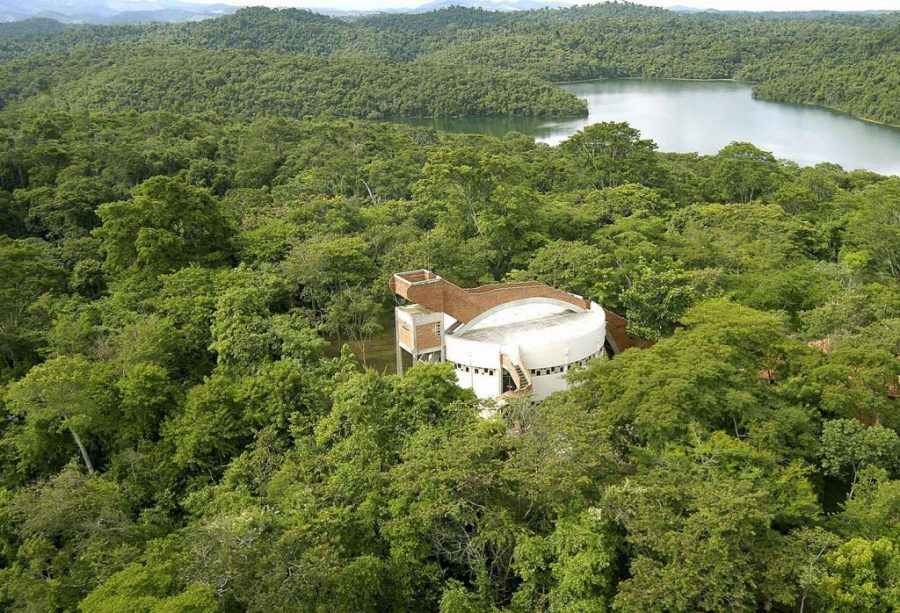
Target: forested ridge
{"points": [[251, 83], [178, 440], [843, 61], [194, 218]]}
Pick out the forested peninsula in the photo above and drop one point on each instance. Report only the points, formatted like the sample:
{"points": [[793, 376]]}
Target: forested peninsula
{"points": [[234, 82], [847, 62]]}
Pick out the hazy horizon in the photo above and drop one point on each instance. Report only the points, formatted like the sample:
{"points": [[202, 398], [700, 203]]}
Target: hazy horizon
{"points": [[723, 5]]}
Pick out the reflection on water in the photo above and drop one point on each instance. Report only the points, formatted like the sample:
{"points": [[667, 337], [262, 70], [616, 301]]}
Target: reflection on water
{"points": [[703, 117]]}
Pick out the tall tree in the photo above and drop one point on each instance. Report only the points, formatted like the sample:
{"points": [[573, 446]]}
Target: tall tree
{"points": [[610, 154], [166, 225], [704, 524], [743, 173], [64, 397]]}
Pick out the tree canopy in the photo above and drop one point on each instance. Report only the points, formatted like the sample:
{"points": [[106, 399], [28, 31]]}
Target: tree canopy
{"points": [[186, 260]]}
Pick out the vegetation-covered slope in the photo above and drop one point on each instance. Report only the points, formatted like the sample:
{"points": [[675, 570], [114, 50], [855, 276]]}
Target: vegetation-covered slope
{"points": [[250, 83], [869, 88], [795, 57]]}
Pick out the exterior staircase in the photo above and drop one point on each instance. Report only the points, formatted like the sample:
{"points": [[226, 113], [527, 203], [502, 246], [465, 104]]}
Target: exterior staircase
{"points": [[521, 376]]}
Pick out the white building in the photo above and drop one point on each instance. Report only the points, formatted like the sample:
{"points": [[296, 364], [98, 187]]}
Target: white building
{"points": [[503, 339]]}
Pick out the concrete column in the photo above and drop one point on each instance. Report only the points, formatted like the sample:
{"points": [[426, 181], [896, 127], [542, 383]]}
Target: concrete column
{"points": [[415, 343], [398, 350]]}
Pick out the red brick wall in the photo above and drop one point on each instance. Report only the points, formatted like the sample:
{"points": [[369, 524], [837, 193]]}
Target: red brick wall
{"points": [[428, 336], [466, 304]]}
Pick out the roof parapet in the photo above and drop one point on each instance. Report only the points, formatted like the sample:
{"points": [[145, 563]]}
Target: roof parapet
{"points": [[401, 282], [437, 294]]}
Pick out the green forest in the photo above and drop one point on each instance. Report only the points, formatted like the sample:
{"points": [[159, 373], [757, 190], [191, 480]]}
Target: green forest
{"points": [[440, 64], [196, 220], [261, 83]]}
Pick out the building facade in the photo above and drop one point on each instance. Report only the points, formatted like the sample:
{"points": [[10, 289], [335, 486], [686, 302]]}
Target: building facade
{"points": [[506, 339]]}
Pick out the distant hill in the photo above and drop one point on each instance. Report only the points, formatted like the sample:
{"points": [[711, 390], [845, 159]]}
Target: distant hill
{"points": [[36, 26], [690, 9], [491, 5], [110, 11], [437, 5]]}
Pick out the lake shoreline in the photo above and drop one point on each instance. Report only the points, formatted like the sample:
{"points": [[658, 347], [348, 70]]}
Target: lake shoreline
{"points": [[702, 116], [603, 79], [833, 110], [739, 82]]}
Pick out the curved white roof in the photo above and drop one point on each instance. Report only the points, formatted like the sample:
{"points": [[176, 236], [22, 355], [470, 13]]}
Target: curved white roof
{"points": [[533, 323]]}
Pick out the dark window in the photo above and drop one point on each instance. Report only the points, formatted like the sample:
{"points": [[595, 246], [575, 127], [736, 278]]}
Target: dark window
{"points": [[508, 384]]}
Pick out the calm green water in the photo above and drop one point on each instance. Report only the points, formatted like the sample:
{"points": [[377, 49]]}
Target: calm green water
{"points": [[704, 116]]}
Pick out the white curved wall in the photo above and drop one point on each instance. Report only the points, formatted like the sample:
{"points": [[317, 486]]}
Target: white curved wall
{"points": [[549, 362], [477, 365], [548, 358]]}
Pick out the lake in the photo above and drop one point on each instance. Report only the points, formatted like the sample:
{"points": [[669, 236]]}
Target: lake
{"points": [[703, 117]]}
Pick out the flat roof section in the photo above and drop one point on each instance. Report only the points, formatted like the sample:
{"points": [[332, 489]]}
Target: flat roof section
{"points": [[531, 324], [416, 309]]}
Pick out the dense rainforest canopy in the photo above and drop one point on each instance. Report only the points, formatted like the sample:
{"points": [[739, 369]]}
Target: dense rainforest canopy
{"points": [[182, 247], [177, 438], [847, 62], [251, 83]]}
